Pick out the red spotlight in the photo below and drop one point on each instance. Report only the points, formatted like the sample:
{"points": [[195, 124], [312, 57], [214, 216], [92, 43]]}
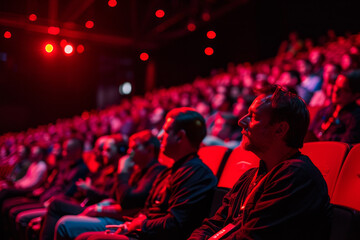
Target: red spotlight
{"points": [[191, 27], [211, 34], [53, 30], [68, 49], [160, 13], [144, 56], [7, 34], [80, 48], [49, 48], [205, 16], [209, 51], [89, 24], [63, 43], [32, 17], [112, 3]]}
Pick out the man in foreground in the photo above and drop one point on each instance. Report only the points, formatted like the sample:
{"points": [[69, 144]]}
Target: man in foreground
{"points": [[180, 197], [286, 197]]}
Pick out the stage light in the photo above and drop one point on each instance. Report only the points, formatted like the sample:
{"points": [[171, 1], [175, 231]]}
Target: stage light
{"points": [[209, 51], [7, 34], [32, 17], [191, 27], [125, 88], [205, 16], [68, 49], [112, 3], [89, 24], [53, 30], [63, 43], [49, 48], [80, 48], [211, 34], [160, 13], [144, 56]]}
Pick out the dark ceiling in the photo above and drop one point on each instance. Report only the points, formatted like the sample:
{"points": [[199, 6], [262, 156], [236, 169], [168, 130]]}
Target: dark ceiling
{"points": [[130, 23]]}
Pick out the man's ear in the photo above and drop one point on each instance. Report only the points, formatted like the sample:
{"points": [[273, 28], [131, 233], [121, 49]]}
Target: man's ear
{"points": [[282, 128], [181, 134]]}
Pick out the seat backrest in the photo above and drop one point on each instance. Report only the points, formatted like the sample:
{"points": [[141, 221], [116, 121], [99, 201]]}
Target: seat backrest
{"points": [[213, 156], [347, 187], [328, 157], [238, 162]]}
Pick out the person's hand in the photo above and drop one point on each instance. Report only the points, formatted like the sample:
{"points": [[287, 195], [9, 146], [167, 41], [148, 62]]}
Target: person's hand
{"points": [[136, 223], [84, 185], [125, 164], [90, 211], [120, 229]]}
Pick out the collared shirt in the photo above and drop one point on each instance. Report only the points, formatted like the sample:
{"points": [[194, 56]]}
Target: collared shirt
{"points": [[291, 202]]}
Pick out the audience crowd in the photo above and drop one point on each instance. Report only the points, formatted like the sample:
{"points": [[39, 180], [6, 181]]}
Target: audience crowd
{"points": [[101, 166]]}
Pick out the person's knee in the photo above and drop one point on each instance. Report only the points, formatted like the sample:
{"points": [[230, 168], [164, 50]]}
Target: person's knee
{"points": [[64, 226]]}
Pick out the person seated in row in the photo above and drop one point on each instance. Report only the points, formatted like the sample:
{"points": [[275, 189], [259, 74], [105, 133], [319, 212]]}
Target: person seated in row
{"points": [[71, 169], [286, 197], [135, 175], [339, 121], [180, 197]]}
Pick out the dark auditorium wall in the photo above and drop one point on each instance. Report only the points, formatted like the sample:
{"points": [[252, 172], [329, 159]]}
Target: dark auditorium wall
{"points": [[38, 90]]}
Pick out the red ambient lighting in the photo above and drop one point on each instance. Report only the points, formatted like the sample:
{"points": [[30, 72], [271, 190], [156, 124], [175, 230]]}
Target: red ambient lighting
{"points": [[191, 27], [144, 56], [32, 17], [211, 34], [80, 48], [160, 13], [63, 43], [89, 24], [112, 3], [209, 51], [49, 48], [7, 34], [68, 49], [53, 30]]}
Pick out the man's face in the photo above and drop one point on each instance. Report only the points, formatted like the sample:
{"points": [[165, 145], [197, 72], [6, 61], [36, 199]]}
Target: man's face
{"points": [[109, 151], [257, 130], [137, 151], [168, 138], [342, 94]]}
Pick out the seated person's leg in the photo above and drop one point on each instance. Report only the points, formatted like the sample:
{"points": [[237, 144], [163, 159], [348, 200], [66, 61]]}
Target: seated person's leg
{"points": [[23, 218], [69, 227]]}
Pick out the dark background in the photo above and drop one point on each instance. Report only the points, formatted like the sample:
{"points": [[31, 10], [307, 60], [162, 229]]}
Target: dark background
{"points": [[36, 88]]}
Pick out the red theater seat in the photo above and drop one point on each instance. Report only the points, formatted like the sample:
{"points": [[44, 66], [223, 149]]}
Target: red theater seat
{"points": [[238, 162], [213, 156], [328, 157], [347, 189]]}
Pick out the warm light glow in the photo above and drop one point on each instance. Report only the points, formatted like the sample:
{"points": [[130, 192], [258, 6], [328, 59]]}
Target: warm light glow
{"points": [[89, 24], [80, 48], [32, 17], [112, 3], [68, 49], [125, 88], [7, 34], [63, 43], [49, 48], [205, 16], [160, 13], [191, 27], [53, 30], [85, 115], [211, 34], [209, 51], [144, 56]]}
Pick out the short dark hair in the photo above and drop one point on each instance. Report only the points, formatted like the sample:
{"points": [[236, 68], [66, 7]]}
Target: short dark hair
{"points": [[191, 122], [146, 138], [289, 107]]}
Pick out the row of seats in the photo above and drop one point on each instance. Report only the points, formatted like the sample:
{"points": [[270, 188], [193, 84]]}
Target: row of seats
{"points": [[339, 165], [338, 162]]}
